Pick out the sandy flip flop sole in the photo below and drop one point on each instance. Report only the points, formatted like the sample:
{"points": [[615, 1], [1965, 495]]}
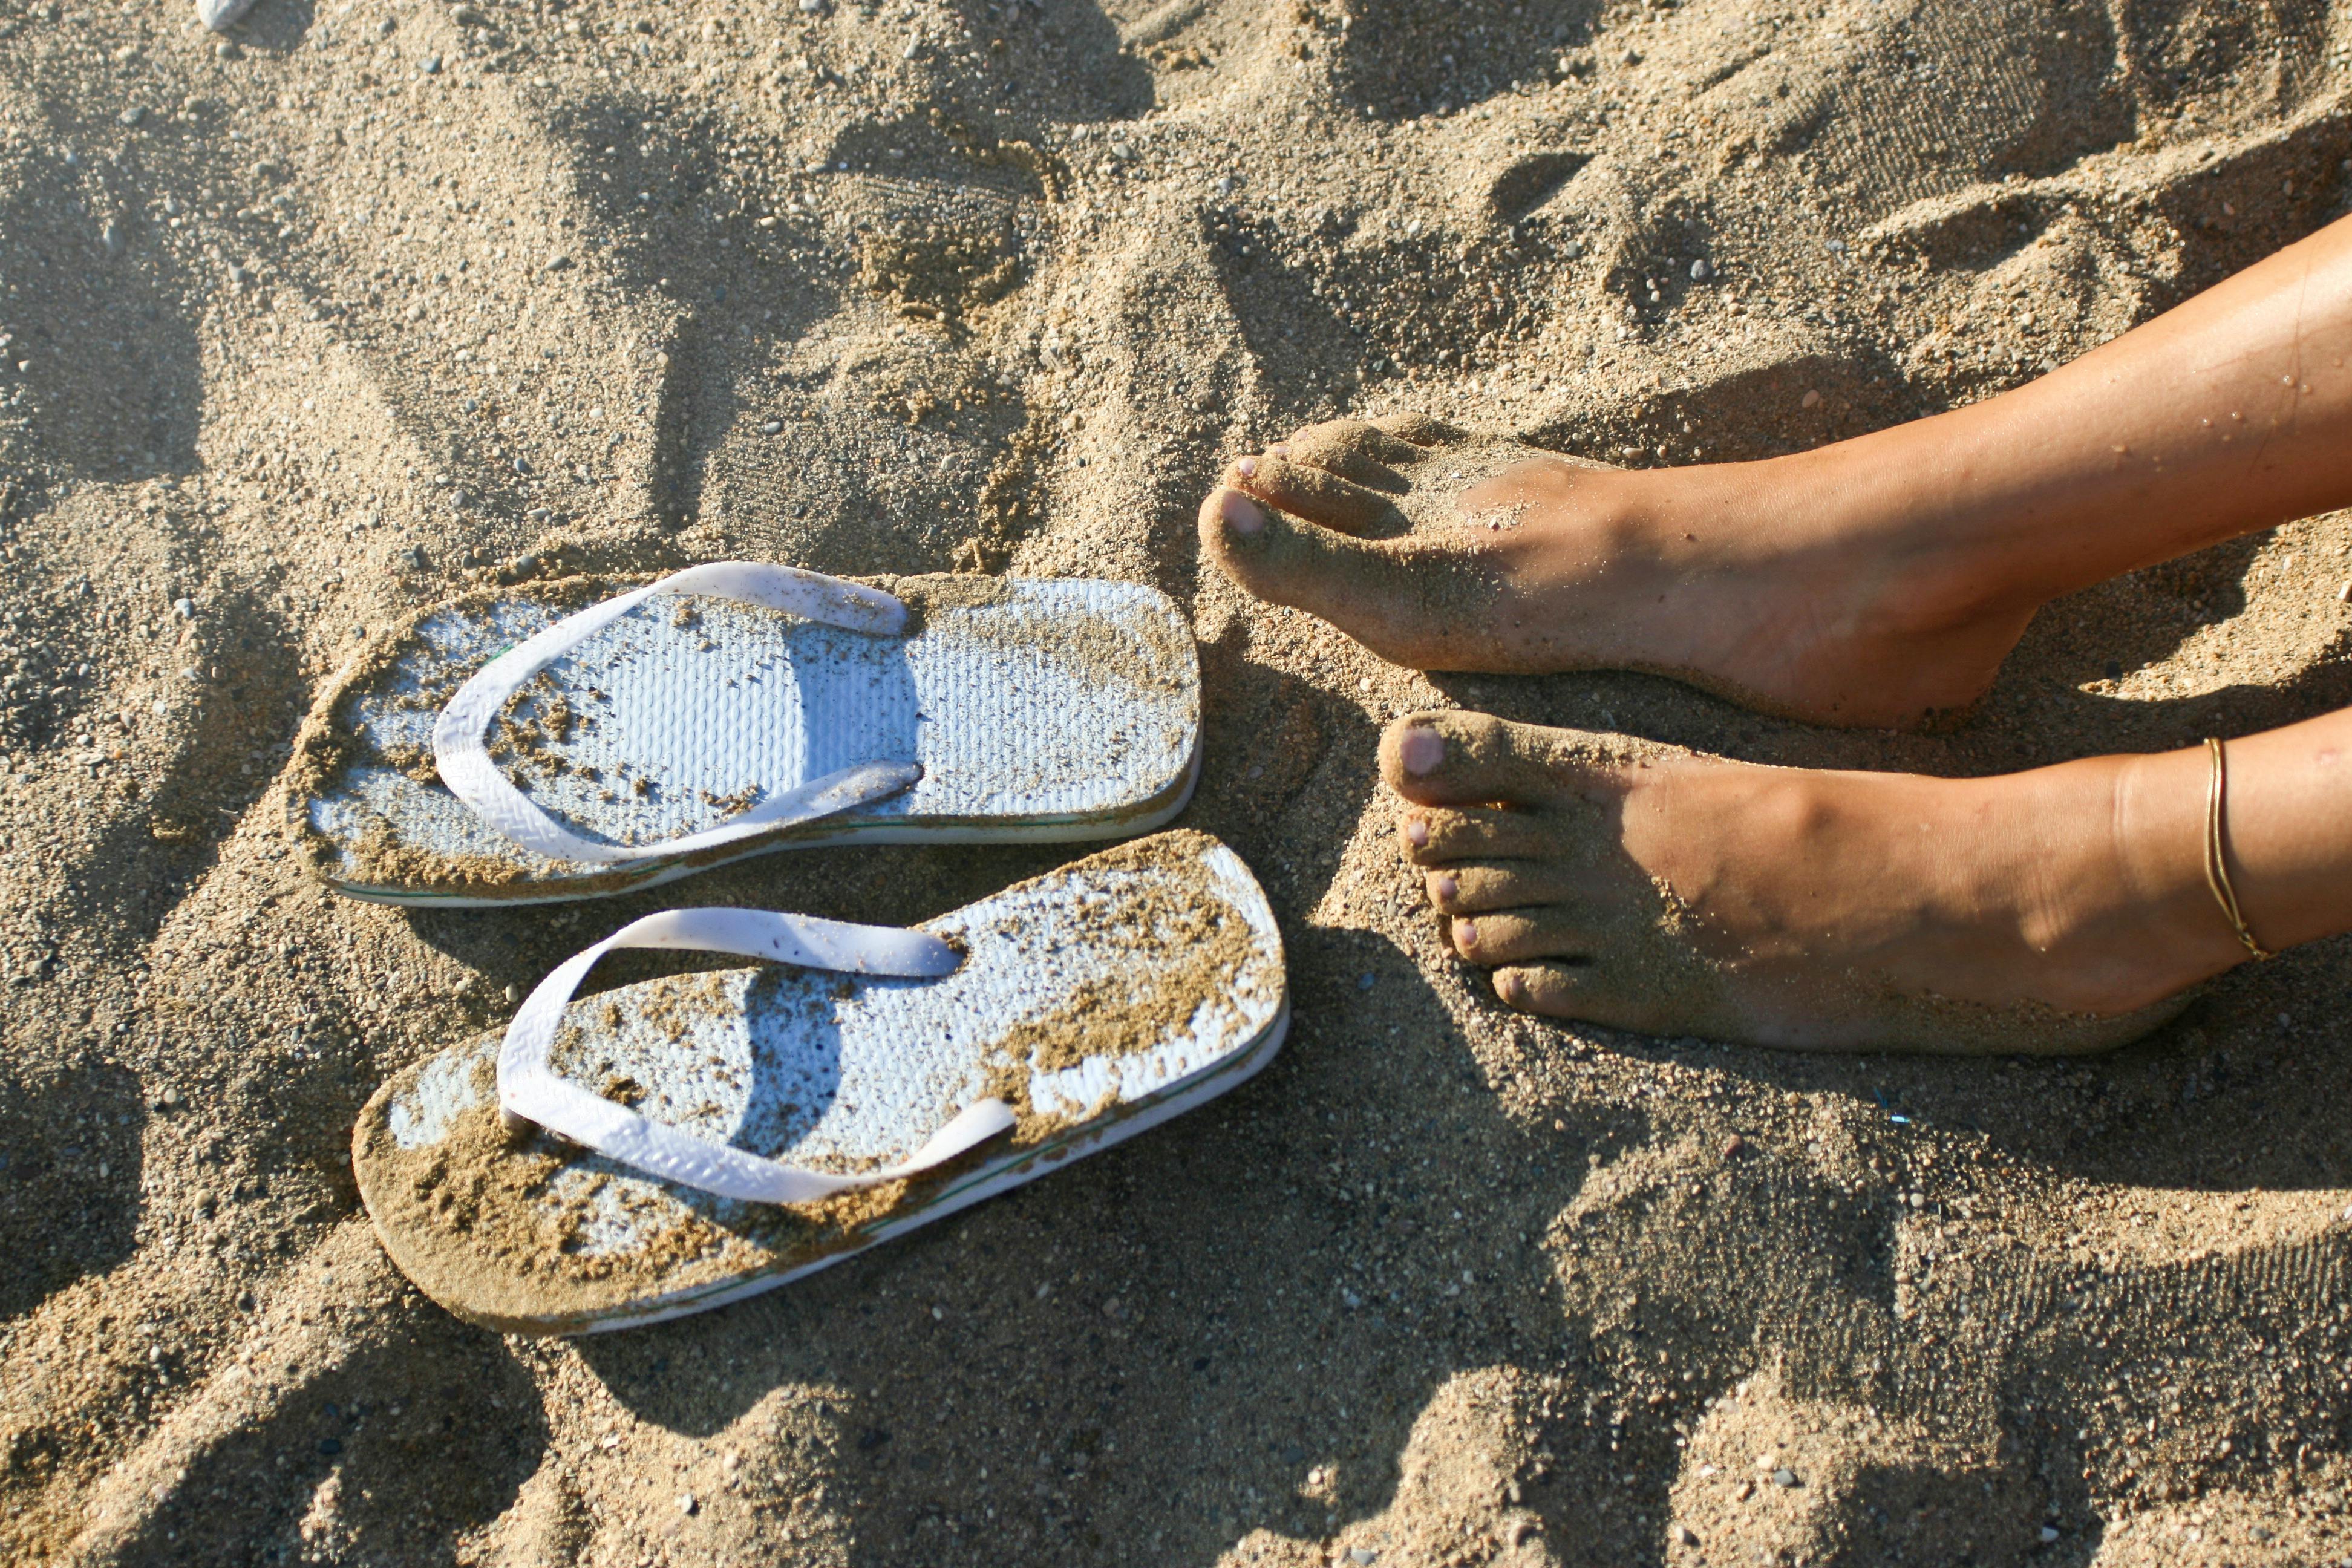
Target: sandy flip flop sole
{"points": [[1081, 1008]]}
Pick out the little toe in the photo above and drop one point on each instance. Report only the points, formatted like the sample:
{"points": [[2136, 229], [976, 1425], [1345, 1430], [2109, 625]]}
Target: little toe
{"points": [[1317, 494], [1433, 835], [1519, 936], [1421, 429], [1586, 992], [1472, 759], [1356, 450]]}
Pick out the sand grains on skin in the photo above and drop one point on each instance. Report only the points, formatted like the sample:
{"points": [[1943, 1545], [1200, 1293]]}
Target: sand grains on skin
{"points": [[1236, 224], [1643, 886]]}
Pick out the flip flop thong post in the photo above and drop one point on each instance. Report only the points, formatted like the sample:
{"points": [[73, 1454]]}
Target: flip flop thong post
{"points": [[557, 741], [669, 1146]]}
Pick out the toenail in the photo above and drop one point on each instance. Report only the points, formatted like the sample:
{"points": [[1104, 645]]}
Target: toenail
{"points": [[1510, 987], [1416, 833], [1444, 888], [1246, 467], [1280, 449], [1421, 750], [1241, 514], [1466, 933]]}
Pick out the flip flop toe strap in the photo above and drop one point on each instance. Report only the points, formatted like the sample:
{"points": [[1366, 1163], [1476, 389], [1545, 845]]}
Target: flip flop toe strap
{"points": [[528, 1086], [463, 759]]}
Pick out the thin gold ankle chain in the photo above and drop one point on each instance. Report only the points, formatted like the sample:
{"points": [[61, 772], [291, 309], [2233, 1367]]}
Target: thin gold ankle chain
{"points": [[2217, 873]]}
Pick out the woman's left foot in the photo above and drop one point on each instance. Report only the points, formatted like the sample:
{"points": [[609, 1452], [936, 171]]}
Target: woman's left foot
{"points": [[1611, 879]]}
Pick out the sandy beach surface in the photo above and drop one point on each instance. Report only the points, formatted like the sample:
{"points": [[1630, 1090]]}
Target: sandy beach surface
{"points": [[364, 303]]}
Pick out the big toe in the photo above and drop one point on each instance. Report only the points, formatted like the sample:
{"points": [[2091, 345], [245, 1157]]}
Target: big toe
{"points": [[1457, 758], [1365, 587]]}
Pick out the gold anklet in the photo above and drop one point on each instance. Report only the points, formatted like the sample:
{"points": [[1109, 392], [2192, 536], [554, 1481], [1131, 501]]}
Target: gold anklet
{"points": [[2217, 874]]}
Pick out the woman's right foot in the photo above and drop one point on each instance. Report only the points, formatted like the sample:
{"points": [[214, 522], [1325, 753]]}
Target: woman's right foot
{"points": [[1776, 584]]}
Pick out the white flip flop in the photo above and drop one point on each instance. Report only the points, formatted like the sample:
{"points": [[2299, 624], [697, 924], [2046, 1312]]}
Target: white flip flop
{"points": [[498, 751], [670, 1146]]}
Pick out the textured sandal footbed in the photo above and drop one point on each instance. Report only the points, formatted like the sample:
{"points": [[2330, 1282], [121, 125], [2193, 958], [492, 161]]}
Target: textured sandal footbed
{"points": [[1058, 709], [831, 1072]]}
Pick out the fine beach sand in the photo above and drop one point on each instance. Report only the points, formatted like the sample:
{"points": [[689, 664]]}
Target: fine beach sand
{"points": [[377, 302]]}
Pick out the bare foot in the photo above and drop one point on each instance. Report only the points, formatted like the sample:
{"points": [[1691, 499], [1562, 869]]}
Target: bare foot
{"points": [[1770, 584], [1648, 888]]}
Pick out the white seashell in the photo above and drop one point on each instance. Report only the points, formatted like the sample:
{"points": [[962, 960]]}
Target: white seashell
{"points": [[220, 16]]}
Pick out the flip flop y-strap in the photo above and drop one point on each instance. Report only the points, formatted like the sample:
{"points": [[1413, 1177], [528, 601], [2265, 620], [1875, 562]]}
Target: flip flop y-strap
{"points": [[530, 1088], [465, 765]]}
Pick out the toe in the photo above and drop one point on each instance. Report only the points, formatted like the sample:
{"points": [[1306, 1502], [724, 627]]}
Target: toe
{"points": [[1317, 494], [1482, 888], [1362, 586], [1355, 450], [1520, 936], [1471, 759], [1420, 429], [1435, 836], [1586, 993]]}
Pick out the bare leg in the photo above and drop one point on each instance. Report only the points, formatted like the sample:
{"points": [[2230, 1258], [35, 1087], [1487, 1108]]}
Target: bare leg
{"points": [[1877, 582], [2063, 909]]}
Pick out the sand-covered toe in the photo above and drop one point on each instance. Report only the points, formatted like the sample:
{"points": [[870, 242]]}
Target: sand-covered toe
{"points": [[1020, 708], [1094, 1001]]}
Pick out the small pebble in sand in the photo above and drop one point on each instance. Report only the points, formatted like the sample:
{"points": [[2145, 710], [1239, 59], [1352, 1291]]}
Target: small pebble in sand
{"points": [[771, 426], [1362, 1556], [686, 1502], [1811, 399], [2049, 1533], [226, 49], [1684, 1536], [132, 116], [1701, 270], [430, 64], [1784, 1477], [2344, 595]]}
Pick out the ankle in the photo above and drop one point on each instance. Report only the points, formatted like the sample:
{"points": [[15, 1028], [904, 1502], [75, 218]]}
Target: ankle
{"points": [[2159, 817]]}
